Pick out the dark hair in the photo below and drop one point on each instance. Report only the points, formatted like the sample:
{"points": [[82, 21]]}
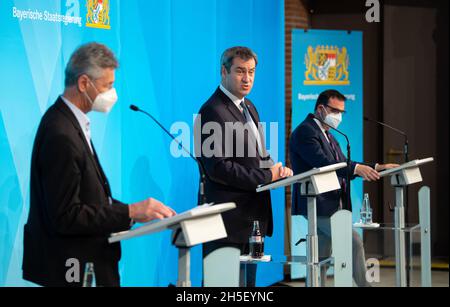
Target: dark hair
{"points": [[244, 53], [325, 96], [89, 59]]}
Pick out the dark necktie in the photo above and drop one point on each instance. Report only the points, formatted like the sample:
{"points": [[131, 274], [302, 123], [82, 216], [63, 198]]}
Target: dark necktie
{"points": [[342, 181], [245, 111], [252, 124], [333, 146]]}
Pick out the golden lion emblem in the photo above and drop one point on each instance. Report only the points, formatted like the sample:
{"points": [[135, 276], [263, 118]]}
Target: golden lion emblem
{"points": [[98, 14], [326, 66]]}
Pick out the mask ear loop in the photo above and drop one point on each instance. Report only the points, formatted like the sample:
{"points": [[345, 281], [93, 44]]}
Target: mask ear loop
{"points": [[86, 95], [324, 108], [92, 83]]}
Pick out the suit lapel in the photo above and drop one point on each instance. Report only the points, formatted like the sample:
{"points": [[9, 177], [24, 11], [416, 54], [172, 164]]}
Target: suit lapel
{"points": [[232, 108], [69, 115], [322, 137], [100, 170], [338, 148], [252, 110], [235, 111]]}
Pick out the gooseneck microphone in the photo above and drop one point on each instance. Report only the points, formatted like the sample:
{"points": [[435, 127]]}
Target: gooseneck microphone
{"points": [[200, 165], [348, 158], [405, 146], [406, 200]]}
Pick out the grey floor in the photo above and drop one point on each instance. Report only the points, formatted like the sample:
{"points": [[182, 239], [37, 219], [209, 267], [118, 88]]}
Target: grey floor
{"points": [[439, 278]]}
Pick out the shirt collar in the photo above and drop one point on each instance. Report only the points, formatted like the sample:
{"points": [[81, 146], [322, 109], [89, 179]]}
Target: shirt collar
{"points": [[321, 128], [319, 124], [233, 98], [82, 118]]}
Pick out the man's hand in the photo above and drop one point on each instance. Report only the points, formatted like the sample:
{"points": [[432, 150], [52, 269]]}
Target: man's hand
{"points": [[149, 209], [382, 167], [366, 172], [279, 171]]}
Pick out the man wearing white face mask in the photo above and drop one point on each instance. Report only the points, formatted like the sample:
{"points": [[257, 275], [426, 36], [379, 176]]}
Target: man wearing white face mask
{"points": [[72, 209], [311, 145], [104, 101]]}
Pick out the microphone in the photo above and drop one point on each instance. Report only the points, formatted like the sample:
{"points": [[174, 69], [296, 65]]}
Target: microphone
{"points": [[202, 170], [405, 151], [348, 157]]}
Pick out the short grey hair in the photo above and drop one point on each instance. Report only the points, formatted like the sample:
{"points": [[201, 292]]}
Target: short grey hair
{"points": [[244, 53], [89, 59]]}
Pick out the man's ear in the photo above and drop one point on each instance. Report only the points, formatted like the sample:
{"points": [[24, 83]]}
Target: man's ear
{"points": [[223, 71], [319, 111], [82, 83]]}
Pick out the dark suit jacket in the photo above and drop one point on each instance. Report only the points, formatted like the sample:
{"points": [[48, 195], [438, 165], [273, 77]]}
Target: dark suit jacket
{"points": [[308, 148], [234, 177], [70, 212]]}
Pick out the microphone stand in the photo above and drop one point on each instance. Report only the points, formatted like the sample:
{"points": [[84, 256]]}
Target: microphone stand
{"points": [[202, 198], [405, 144], [406, 200], [348, 190]]}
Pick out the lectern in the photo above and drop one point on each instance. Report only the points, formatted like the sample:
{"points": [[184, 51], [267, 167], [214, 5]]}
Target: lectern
{"points": [[401, 177], [312, 183], [198, 225]]}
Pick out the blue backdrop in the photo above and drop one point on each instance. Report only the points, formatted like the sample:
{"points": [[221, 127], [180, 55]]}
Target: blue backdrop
{"points": [[321, 60], [169, 65]]}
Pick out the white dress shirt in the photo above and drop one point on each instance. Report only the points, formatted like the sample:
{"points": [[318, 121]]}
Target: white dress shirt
{"points": [[321, 128], [82, 119], [237, 102], [233, 98]]}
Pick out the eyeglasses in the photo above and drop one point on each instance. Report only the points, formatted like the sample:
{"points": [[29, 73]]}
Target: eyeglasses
{"points": [[336, 110]]}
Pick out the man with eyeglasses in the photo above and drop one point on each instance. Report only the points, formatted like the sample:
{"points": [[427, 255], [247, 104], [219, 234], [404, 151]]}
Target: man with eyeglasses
{"points": [[311, 145]]}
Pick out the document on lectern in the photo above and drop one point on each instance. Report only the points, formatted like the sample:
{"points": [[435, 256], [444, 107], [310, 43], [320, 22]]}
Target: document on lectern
{"points": [[293, 179], [406, 165], [159, 225]]}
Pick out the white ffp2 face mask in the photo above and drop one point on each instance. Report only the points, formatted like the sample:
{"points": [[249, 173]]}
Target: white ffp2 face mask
{"points": [[333, 119], [104, 101]]}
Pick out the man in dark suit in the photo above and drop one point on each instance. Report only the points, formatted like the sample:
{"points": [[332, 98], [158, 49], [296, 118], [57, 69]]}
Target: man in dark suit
{"points": [[235, 160], [72, 210], [311, 145]]}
